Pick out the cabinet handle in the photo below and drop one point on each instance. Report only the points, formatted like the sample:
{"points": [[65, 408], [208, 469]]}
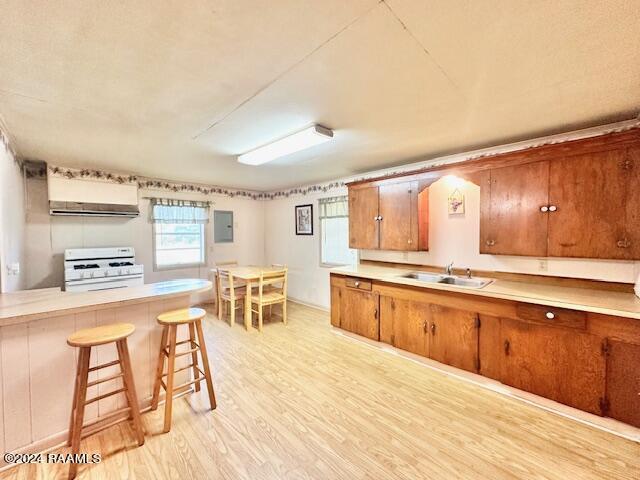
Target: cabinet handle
{"points": [[507, 346], [380, 217], [552, 208], [433, 328], [490, 243], [357, 284], [624, 243], [375, 313], [550, 315], [425, 326], [544, 208], [409, 241]]}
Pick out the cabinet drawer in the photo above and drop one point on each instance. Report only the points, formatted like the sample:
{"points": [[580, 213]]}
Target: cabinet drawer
{"points": [[358, 283], [560, 317]]}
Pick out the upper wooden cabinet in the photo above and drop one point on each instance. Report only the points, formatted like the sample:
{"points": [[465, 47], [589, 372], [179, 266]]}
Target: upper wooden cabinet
{"points": [[511, 220], [388, 217], [363, 218], [588, 196], [578, 198], [584, 205]]}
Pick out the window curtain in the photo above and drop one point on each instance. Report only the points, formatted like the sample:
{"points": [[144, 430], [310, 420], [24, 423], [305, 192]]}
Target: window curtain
{"points": [[334, 207], [165, 210]]}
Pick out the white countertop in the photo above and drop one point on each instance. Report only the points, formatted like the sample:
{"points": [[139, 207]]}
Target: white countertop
{"points": [[589, 300], [29, 305]]}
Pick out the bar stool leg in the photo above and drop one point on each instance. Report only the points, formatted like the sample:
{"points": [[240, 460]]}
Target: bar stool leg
{"points": [[205, 365], [171, 361], [260, 317], [83, 375], [75, 402], [130, 389], [159, 369], [194, 355]]}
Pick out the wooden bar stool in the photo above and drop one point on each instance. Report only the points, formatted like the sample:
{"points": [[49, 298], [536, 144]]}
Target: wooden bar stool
{"points": [[170, 321], [92, 337]]}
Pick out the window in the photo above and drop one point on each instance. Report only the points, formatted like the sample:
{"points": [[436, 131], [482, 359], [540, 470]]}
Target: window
{"points": [[222, 226], [334, 232], [179, 233]]}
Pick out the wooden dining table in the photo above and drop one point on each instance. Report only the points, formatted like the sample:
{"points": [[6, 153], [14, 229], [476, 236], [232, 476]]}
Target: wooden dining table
{"points": [[250, 274]]}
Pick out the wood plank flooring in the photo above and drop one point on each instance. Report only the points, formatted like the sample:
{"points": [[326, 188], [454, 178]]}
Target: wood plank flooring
{"points": [[300, 402]]}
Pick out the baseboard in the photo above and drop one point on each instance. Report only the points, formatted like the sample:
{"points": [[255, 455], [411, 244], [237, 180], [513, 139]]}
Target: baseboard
{"points": [[307, 304]]}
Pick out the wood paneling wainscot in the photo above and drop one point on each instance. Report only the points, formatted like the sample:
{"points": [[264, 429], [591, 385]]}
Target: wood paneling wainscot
{"points": [[38, 369]]}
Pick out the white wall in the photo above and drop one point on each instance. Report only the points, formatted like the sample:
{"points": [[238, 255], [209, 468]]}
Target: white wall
{"points": [[48, 237], [12, 221], [455, 238], [308, 281]]}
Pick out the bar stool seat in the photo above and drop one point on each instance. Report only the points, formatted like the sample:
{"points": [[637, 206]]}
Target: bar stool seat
{"points": [[170, 322], [92, 337], [184, 315], [86, 339]]}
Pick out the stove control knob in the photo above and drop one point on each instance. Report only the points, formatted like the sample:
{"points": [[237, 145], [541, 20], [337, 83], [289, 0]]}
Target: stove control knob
{"points": [[91, 274]]}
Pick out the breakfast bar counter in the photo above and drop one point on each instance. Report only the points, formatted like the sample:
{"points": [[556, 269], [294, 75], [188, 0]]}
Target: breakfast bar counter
{"points": [[37, 367]]}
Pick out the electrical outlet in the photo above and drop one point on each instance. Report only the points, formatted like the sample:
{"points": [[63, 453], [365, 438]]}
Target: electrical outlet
{"points": [[543, 265]]}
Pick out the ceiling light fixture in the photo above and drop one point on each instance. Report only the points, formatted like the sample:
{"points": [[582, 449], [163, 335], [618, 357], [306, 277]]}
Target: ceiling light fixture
{"points": [[295, 142]]}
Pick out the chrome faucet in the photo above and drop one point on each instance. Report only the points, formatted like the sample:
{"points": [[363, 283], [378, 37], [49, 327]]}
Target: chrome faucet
{"points": [[468, 273], [448, 269]]}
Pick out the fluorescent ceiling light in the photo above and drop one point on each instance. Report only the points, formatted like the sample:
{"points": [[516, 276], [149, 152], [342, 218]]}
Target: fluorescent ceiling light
{"points": [[306, 138]]}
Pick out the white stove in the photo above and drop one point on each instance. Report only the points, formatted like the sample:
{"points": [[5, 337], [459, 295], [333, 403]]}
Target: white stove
{"points": [[87, 269]]}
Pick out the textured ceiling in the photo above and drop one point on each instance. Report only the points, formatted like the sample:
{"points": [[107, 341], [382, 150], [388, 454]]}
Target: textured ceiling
{"points": [[177, 89]]}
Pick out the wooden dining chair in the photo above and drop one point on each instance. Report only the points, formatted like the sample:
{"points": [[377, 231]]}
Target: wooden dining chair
{"points": [[229, 293], [272, 290], [226, 263]]}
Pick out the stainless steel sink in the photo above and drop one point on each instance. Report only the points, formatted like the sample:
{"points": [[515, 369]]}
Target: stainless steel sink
{"points": [[424, 277], [473, 282]]}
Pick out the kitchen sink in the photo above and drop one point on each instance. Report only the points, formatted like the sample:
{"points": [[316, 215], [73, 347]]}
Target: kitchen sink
{"points": [[472, 282], [425, 277]]}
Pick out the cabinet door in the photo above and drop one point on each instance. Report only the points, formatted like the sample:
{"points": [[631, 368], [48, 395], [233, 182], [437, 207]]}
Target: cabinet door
{"points": [[511, 222], [336, 298], [632, 221], [623, 382], [404, 324], [363, 213], [359, 312], [399, 222], [454, 337], [561, 364], [588, 191]]}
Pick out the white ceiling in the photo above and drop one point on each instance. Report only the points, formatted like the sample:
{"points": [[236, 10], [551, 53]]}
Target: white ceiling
{"points": [[177, 89]]}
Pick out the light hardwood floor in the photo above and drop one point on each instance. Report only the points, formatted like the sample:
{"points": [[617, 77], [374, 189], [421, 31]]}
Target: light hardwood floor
{"points": [[299, 402]]}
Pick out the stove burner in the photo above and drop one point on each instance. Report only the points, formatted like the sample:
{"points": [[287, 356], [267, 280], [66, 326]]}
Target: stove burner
{"points": [[120, 264], [86, 266]]}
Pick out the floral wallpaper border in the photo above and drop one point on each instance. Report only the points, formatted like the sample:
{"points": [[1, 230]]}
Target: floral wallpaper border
{"points": [[39, 169]]}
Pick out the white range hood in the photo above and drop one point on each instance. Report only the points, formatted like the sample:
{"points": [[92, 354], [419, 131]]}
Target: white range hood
{"points": [[79, 197]]}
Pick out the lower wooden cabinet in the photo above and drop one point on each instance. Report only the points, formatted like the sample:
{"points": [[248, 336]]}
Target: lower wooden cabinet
{"points": [[562, 364], [623, 381], [355, 310], [454, 337], [447, 335], [585, 360], [405, 325]]}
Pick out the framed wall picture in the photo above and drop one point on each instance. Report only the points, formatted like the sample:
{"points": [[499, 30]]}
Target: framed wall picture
{"points": [[304, 219]]}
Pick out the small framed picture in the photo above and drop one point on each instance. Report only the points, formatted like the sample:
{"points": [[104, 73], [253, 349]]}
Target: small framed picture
{"points": [[304, 219]]}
